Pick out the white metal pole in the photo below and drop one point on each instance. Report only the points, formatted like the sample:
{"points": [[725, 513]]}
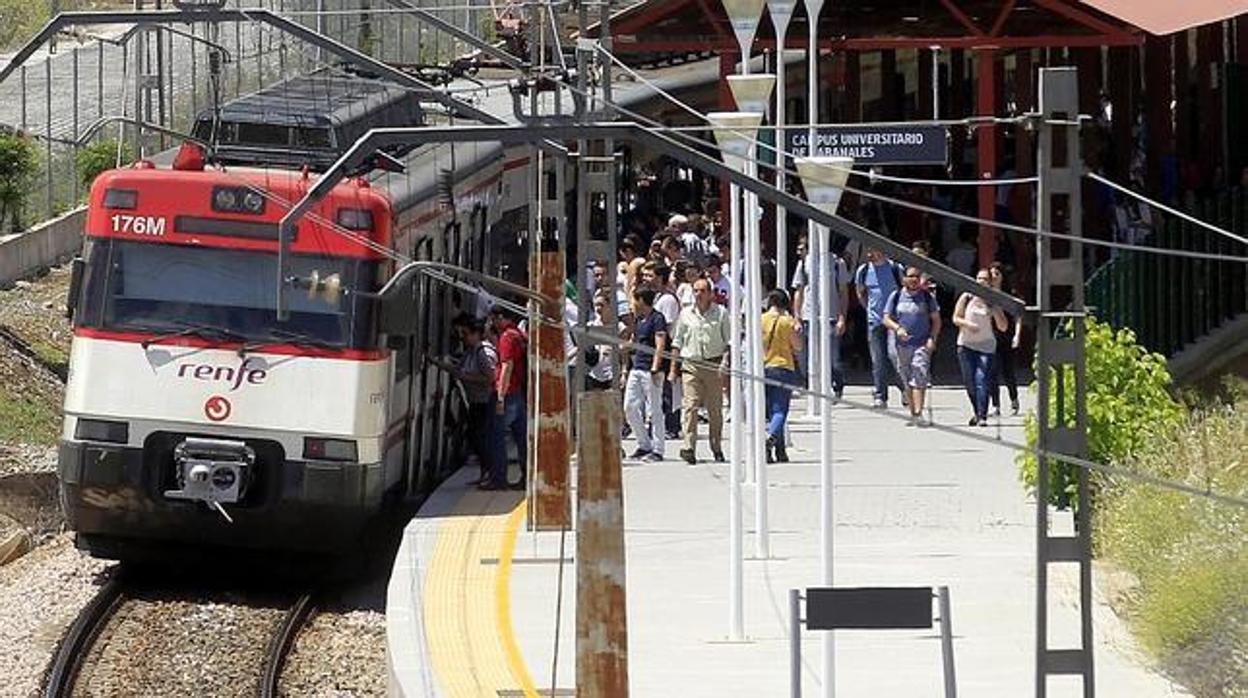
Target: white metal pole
{"points": [[819, 237], [935, 82], [781, 144], [815, 342], [752, 416], [736, 573], [826, 524], [754, 273]]}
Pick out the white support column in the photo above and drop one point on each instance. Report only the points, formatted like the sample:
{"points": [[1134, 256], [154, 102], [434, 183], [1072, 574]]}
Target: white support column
{"points": [[824, 180], [734, 131]]}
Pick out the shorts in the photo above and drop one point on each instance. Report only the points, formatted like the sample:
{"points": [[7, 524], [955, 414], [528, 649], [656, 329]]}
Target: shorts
{"points": [[914, 365]]}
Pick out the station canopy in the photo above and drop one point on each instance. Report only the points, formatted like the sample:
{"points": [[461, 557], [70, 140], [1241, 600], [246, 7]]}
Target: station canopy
{"points": [[1169, 17], [655, 32]]}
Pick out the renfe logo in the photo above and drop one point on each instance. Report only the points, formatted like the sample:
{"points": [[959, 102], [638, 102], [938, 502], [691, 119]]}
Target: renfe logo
{"points": [[217, 408], [225, 374]]}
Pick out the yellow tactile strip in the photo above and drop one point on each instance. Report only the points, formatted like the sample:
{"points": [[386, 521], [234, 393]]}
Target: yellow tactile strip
{"points": [[466, 603]]}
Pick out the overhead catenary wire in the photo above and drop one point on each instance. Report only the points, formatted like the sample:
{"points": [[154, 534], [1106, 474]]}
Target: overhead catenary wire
{"points": [[605, 337], [1158, 205], [658, 128]]}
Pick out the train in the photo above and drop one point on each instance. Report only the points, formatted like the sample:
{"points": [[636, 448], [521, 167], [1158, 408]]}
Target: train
{"points": [[193, 417]]}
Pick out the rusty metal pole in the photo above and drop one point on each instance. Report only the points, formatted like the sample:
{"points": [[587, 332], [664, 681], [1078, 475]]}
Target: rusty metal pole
{"points": [[551, 503], [601, 589], [601, 618]]}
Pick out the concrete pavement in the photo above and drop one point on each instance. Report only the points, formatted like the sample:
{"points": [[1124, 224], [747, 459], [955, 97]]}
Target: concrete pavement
{"points": [[914, 507]]}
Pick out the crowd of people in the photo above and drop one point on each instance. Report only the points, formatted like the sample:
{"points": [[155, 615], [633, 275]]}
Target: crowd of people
{"points": [[671, 298]]}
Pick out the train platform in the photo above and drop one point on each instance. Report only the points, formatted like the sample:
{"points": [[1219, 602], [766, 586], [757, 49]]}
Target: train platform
{"points": [[479, 606]]}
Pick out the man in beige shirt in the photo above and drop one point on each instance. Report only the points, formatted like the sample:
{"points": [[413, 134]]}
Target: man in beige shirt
{"points": [[701, 338]]}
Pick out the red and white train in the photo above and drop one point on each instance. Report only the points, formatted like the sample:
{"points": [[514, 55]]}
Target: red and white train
{"points": [[193, 417]]}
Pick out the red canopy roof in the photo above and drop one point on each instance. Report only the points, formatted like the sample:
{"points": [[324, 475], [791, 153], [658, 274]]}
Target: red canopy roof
{"points": [[1169, 16]]}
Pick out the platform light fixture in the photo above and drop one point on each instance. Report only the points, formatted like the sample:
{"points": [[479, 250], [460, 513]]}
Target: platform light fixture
{"points": [[782, 12], [752, 93], [824, 179], [745, 16], [735, 133]]}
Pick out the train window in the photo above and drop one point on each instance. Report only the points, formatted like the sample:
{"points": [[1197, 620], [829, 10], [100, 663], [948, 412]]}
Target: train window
{"points": [[262, 134], [149, 287], [304, 137]]}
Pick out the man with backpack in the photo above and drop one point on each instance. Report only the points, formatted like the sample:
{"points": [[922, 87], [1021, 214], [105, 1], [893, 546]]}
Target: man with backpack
{"points": [[913, 315], [875, 280]]}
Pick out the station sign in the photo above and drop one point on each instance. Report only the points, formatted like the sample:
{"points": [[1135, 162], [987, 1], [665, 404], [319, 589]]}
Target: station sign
{"points": [[920, 144]]}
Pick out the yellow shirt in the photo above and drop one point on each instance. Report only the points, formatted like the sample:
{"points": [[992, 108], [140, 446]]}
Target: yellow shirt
{"points": [[779, 335]]}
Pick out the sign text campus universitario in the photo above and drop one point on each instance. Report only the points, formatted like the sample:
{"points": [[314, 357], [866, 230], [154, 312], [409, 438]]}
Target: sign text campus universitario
{"points": [[876, 145]]}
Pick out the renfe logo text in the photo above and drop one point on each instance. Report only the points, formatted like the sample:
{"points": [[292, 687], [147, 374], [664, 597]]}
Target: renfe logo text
{"points": [[234, 376]]}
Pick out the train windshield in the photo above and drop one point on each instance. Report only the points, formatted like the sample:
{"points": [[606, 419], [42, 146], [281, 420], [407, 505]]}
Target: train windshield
{"points": [[159, 288]]}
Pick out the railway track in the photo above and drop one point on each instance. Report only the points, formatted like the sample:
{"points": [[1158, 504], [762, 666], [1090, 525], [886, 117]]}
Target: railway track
{"points": [[21, 346], [79, 645]]}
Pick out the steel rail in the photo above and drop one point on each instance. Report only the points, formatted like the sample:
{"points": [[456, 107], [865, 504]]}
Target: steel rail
{"points": [[282, 642], [81, 636]]}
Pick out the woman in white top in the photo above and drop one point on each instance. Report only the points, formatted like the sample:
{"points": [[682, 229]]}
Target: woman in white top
{"points": [[977, 346]]}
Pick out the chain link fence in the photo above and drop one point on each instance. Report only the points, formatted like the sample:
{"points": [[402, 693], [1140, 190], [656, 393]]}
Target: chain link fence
{"points": [[76, 90]]}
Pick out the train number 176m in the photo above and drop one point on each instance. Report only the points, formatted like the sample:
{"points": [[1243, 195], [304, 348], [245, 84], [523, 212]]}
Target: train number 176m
{"points": [[138, 225]]}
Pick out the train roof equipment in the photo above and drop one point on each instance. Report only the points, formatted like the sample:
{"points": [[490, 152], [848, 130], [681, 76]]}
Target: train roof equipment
{"points": [[305, 120]]}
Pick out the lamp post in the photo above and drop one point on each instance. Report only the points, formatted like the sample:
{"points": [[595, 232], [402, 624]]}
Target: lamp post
{"points": [[781, 15], [824, 181], [815, 342], [734, 132], [753, 95]]}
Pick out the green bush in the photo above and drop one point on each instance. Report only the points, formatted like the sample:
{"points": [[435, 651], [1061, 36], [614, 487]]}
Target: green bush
{"points": [[19, 163], [99, 157], [1128, 398], [1189, 555]]}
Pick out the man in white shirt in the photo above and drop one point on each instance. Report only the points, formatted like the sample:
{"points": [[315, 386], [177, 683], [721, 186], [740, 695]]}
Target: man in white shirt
{"points": [[805, 291]]}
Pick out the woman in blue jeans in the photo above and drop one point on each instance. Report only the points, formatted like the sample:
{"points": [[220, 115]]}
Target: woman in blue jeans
{"points": [[977, 346], [782, 340]]}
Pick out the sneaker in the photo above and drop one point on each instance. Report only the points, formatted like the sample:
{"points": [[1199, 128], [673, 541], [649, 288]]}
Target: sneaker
{"points": [[719, 456], [1014, 407], [652, 458], [996, 411], [983, 421], [879, 404], [912, 421], [922, 422], [974, 421], [688, 456], [639, 454]]}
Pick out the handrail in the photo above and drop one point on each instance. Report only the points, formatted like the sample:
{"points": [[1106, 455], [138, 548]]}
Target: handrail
{"points": [[1171, 302]]}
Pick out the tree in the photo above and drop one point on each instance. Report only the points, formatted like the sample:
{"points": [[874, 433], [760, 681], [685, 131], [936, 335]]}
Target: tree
{"points": [[19, 163], [98, 157], [1128, 399]]}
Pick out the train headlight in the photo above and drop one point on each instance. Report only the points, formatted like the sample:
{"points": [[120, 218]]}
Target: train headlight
{"points": [[329, 449], [253, 202], [127, 199], [225, 199], [102, 430], [355, 218], [237, 200]]}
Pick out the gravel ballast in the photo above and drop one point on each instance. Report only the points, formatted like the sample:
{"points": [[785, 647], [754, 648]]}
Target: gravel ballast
{"points": [[40, 595], [162, 644], [338, 654]]}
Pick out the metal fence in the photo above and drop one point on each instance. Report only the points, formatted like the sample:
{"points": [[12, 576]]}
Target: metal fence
{"points": [[162, 75], [1170, 301]]}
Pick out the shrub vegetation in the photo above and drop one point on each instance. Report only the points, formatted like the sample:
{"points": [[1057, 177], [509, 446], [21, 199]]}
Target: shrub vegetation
{"points": [[1189, 554]]}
